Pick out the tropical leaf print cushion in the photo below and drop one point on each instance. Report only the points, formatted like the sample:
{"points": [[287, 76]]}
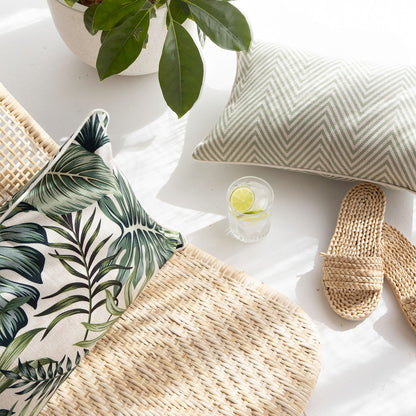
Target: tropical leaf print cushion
{"points": [[76, 248]]}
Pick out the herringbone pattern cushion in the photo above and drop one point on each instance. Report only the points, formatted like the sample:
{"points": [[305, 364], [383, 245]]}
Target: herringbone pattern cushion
{"points": [[294, 110]]}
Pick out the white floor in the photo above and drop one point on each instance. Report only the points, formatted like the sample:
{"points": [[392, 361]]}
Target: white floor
{"points": [[369, 367]]}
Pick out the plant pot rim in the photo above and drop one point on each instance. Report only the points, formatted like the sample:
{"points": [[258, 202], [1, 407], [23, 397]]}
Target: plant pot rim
{"points": [[77, 7]]}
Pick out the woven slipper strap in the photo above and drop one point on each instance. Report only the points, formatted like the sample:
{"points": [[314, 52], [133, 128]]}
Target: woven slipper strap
{"points": [[357, 273], [409, 306]]}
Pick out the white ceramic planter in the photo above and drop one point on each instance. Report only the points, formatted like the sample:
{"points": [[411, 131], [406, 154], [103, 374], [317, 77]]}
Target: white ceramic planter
{"points": [[70, 25]]}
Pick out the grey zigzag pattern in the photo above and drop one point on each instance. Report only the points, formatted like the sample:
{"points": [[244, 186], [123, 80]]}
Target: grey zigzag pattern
{"points": [[294, 110]]}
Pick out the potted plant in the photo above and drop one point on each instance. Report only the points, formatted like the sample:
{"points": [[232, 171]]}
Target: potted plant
{"points": [[123, 27]]}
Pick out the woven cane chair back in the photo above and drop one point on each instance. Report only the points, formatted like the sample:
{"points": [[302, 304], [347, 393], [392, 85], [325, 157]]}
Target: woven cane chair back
{"points": [[24, 146]]}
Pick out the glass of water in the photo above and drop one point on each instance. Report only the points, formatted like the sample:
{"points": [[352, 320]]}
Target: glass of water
{"points": [[250, 201]]}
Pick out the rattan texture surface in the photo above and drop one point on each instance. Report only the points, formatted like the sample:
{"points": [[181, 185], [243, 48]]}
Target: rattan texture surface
{"points": [[352, 270], [24, 146], [202, 339]]}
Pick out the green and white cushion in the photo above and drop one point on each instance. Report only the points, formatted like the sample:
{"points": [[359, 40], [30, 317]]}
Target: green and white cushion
{"points": [[294, 110], [76, 248]]}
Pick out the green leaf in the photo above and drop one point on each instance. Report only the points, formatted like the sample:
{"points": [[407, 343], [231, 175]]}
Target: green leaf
{"points": [[12, 319], [69, 268], [68, 257], [143, 244], [15, 348], [78, 179], [77, 222], [14, 304], [32, 371], [70, 300], [180, 70], [61, 316], [65, 246], [61, 232], [104, 34], [178, 10], [25, 370], [105, 285], [123, 44], [93, 133], [83, 232], [41, 371], [20, 289], [99, 327], [77, 359], [128, 289], [34, 381], [86, 228], [111, 306], [68, 364], [98, 305], [89, 19], [103, 265], [65, 221], [222, 22], [21, 207], [28, 233], [11, 375], [25, 261], [4, 412], [71, 2], [90, 343], [67, 288], [21, 384], [91, 240], [105, 270], [50, 369], [111, 12]]}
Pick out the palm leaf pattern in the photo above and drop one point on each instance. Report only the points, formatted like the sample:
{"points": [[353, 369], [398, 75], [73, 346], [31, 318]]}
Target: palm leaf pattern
{"points": [[79, 193], [143, 244], [12, 352], [74, 182], [22, 207], [4, 412], [93, 133], [39, 381], [26, 262], [79, 257]]}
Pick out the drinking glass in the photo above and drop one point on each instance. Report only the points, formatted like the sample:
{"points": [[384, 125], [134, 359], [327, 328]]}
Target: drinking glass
{"points": [[250, 201]]}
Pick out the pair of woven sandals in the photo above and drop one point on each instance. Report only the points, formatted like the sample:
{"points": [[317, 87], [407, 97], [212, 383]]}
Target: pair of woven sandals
{"points": [[362, 252]]}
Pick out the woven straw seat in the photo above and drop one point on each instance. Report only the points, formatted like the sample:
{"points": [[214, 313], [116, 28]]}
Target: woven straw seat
{"points": [[201, 339]]}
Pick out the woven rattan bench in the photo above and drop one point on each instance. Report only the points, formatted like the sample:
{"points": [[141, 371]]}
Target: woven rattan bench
{"points": [[220, 343]]}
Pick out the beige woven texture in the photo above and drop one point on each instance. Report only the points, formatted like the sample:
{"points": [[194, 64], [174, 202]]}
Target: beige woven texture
{"points": [[24, 146], [202, 338], [399, 256], [353, 268]]}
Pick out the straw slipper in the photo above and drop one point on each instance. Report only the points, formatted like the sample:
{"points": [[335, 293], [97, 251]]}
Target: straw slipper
{"points": [[399, 256], [352, 267]]}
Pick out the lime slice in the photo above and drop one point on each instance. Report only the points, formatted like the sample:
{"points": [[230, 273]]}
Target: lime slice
{"points": [[254, 212], [242, 199], [254, 216]]}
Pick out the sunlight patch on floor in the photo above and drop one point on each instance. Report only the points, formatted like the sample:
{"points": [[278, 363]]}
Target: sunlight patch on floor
{"points": [[22, 19], [148, 158]]}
